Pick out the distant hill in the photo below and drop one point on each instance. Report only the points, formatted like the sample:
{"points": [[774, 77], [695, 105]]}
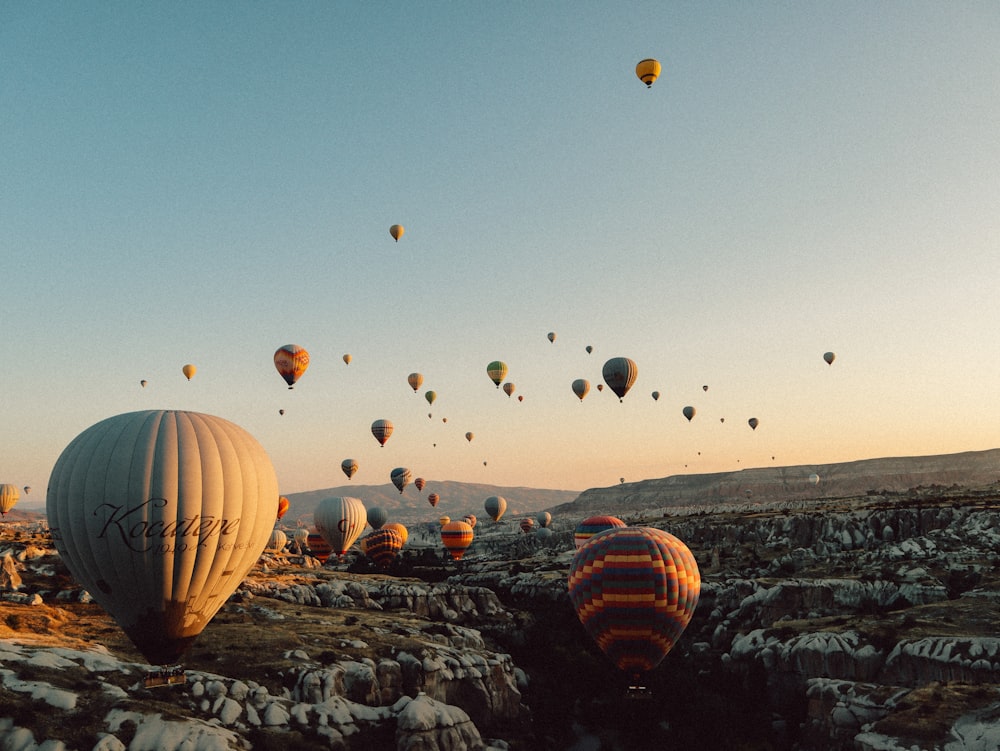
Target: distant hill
{"points": [[457, 499], [895, 475]]}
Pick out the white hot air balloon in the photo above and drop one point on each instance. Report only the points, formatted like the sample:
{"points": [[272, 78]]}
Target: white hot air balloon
{"points": [[340, 521], [160, 515]]}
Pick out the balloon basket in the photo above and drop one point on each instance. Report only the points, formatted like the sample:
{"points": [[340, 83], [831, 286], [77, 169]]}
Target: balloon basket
{"points": [[165, 676]]}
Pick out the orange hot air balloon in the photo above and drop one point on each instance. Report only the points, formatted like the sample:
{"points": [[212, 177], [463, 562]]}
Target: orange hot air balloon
{"points": [[648, 70], [420, 482], [291, 361], [397, 231], [398, 528], [433, 499], [382, 429], [381, 546], [319, 548], [282, 506], [508, 388], [457, 537], [527, 524], [415, 380], [444, 520], [189, 370], [347, 359]]}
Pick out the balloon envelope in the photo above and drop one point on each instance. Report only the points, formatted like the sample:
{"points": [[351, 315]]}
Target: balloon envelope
{"points": [[416, 380], [753, 422], [319, 548], [278, 540], [508, 388], [430, 396], [814, 479], [495, 506], [282, 507], [340, 521], [382, 429], [581, 387], [544, 519], [420, 482], [457, 537], [349, 467], [397, 231], [689, 413], [620, 374], [160, 515], [829, 357], [9, 495], [189, 370], [347, 359], [527, 524], [381, 546], [399, 528], [433, 499], [648, 71], [552, 336], [590, 527], [291, 362], [377, 516], [634, 590], [400, 477], [497, 371]]}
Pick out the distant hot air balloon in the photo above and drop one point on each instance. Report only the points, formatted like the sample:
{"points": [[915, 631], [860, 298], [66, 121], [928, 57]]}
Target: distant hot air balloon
{"points": [[469, 436], [340, 520], [282, 507], [471, 520], [508, 388], [648, 70], [444, 520], [415, 380], [319, 548], [814, 479], [278, 541], [457, 537], [400, 477], [581, 387], [520, 397], [381, 546], [347, 359], [349, 466], [552, 336], [829, 357], [544, 519], [495, 506], [9, 496], [600, 387], [704, 388], [27, 489], [189, 370], [160, 515], [420, 482], [397, 231], [143, 382], [753, 422], [291, 362], [590, 527], [301, 536], [433, 499], [689, 413], [589, 349], [527, 524], [497, 371], [656, 396], [281, 412], [634, 590], [382, 429], [430, 396], [620, 373], [400, 529], [377, 516]]}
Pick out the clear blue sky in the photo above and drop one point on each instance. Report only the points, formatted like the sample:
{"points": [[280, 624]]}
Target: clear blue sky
{"points": [[204, 182]]}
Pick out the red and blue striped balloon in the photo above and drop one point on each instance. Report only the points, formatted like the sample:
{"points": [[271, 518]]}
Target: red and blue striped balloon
{"points": [[590, 527]]}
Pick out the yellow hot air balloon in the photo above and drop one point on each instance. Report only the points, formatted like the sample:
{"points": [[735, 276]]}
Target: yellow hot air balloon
{"points": [[347, 359], [9, 495], [160, 515], [397, 231], [497, 371], [291, 361], [648, 70], [415, 380], [189, 370]]}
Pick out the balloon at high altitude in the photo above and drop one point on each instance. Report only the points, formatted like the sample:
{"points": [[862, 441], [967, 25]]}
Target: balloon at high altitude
{"points": [[416, 380], [400, 477], [349, 466], [648, 70], [382, 429], [656, 396], [589, 349], [282, 507], [398, 528], [600, 387], [420, 482], [143, 382], [27, 489], [291, 362], [189, 370], [347, 359], [497, 371], [433, 499], [544, 519], [340, 521], [160, 515], [520, 397], [9, 496], [495, 506], [595, 524], [377, 516], [634, 590], [381, 546], [689, 413], [469, 436], [581, 387], [508, 388], [620, 373], [552, 336], [457, 537], [430, 396], [753, 422], [704, 388], [397, 231], [281, 412], [829, 357]]}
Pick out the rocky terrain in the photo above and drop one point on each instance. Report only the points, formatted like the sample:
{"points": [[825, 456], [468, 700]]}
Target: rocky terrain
{"points": [[866, 623]]}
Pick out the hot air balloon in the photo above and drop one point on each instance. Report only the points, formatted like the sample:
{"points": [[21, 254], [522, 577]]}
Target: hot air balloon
{"points": [[143, 382], [457, 537], [634, 590], [689, 413], [544, 519], [520, 397], [340, 521], [381, 546], [648, 70], [397, 231], [590, 527], [581, 387], [829, 357], [433, 499], [543, 533], [753, 422], [400, 529], [527, 524], [189, 370], [508, 388], [814, 479], [160, 515], [318, 547], [377, 516], [704, 388], [469, 436], [497, 371], [9, 495], [291, 361], [656, 396], [495, 506], [347, 359], [589, 349], [349, 467], [444, 520], [282, 507], [400, 477], [382, 429], [415, 380], [600, 387], [552, 336], [278, 541], [471, 520], [27, 489], [420, 482], [301, 537], [281, 412], [430, 396], [620, 373]]}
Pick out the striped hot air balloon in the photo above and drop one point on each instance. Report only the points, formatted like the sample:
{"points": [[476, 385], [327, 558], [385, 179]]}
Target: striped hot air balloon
{"points": [[381, 546], [497, 371], [382, 429], [9, 495], [527, 524], [318, 547], [620, 374], [400, 477], [400, 528], [433, 499], [457, 537], [291, 361], [590, 527], [634, 590]]}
